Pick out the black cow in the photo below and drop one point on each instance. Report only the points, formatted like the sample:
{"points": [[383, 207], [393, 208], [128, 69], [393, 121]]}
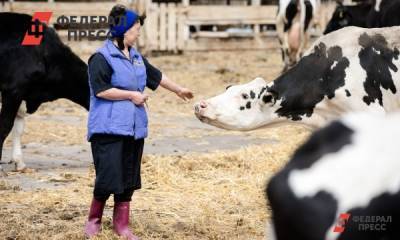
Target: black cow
{"points": [[35, 74], [343, 183], [378, 13]]}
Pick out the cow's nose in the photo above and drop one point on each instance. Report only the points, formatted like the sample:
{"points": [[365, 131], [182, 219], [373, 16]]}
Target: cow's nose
{"points": [[199, 106], [203, 104]]}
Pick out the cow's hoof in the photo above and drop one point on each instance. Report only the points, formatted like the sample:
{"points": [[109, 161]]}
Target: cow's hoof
{"points": [[19, 166]]}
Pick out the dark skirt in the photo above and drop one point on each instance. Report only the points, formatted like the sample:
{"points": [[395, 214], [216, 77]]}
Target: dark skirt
{"points": [[117, 162]]}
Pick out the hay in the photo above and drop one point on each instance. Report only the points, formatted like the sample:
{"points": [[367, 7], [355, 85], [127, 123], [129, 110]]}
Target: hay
{"points": [[217, 195], [203, 196]]}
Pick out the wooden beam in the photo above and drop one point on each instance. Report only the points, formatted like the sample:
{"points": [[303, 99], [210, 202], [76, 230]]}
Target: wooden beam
{"points": [[207, 44], [256, 26], [67, 9], [230, 22], [182, 28], [233, 13], [152, 27], [163, 26], [185, 3], [208, 34], [4, 7], [172, 37], [141, 6]]}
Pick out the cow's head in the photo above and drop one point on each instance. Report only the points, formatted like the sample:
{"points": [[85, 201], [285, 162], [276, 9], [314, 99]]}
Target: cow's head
{"points": [[241, 107], [341, 18]]}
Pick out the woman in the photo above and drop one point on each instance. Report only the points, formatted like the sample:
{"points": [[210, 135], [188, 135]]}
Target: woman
{"points": [[117, 123]]}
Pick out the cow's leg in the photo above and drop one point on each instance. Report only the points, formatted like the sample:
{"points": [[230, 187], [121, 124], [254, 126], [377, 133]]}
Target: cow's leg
{"points": [[283, 39], [18, 130], [9, 109], [304, 42], [294, 42]]}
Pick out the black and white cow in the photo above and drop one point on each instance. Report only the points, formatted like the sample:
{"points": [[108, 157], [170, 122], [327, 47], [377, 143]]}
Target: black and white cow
{"points": [[35, 74], [378, 13], [352, 69], [292, 24], [343, 183]]}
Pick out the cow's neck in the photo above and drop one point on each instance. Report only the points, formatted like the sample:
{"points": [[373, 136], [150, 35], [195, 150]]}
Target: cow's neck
{"points": [[315, 121], [324, 112], [66, 73], [73, 79]]}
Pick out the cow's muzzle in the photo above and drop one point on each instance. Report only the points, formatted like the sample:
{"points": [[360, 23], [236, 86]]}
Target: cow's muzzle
{"points": [[199, 109]]}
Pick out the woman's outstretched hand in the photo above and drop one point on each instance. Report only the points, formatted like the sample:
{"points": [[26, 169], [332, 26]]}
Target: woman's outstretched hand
{"points": [[184, 93]]}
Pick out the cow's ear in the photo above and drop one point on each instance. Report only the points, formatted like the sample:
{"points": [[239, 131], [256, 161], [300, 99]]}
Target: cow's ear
{"points": [[228, 87]]}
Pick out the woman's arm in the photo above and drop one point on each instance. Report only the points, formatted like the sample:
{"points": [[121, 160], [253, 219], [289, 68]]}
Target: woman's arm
{"points": [[182, 92], [116, 94]]}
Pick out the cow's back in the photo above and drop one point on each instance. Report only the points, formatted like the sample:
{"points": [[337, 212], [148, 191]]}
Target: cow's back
{"points": [[13, 27], [14, 57], [372, 78]]}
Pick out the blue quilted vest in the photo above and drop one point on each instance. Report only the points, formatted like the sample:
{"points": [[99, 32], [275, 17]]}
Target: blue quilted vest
{"points": [[120, 117]]}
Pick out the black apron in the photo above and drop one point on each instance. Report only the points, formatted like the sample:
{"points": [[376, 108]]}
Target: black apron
{"points": [[117, 162]]}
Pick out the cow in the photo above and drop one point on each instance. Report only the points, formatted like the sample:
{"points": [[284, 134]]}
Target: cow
{"points": [[35, 74], [358, 72], [378, 13], [292, 24], [343, 183]]}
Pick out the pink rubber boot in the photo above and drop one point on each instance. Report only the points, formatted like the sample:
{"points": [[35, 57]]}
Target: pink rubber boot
{"points": [[121, 220], [93, 225]]}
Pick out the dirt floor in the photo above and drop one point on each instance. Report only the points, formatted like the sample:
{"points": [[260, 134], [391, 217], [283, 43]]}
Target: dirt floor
{"points": [[199, 182]]}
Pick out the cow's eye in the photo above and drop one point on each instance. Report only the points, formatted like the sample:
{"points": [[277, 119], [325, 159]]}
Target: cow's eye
{"points": [[267, 98], [245, 96]]}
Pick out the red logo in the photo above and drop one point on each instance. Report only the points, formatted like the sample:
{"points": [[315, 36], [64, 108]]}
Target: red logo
{"points": [[343, 219], [34, 34]]}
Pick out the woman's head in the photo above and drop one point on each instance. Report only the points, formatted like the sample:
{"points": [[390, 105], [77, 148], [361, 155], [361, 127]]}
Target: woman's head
{"points": [[125, 25]]}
